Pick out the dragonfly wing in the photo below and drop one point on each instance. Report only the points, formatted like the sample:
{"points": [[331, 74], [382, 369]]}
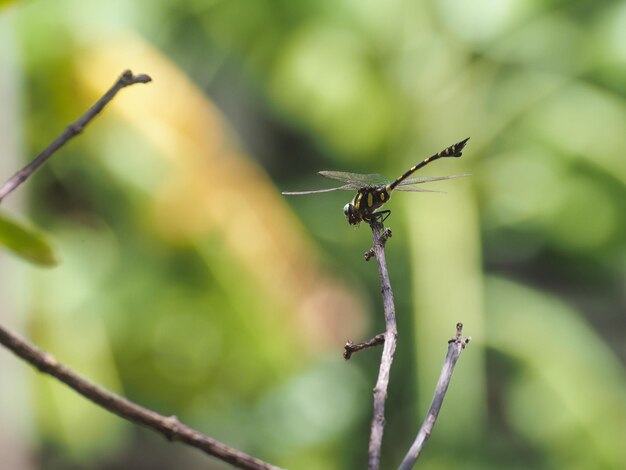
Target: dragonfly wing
{"points": [[428, 179], [316, 191], [417, 190], [358, 180]]}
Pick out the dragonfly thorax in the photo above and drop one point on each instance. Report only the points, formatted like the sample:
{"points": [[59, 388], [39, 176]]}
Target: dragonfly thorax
{"points": [[365, 203]]}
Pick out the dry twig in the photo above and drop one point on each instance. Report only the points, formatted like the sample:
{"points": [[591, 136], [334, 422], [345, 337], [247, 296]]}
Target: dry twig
{"points": [[170, 427], [380, 236], [455, 346], [350, 347], [126, 79]]}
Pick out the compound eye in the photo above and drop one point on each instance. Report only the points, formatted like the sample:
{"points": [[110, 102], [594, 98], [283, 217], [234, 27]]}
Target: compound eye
{"points": [[346, 210]]}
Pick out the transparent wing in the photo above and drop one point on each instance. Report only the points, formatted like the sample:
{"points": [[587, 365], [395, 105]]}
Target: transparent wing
{"points": [[425, 179], [357, 180], [417, 190], [316, 191]]}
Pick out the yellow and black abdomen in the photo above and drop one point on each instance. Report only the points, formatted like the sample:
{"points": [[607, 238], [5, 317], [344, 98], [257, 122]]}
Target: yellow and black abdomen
{"points": [[452, 151]]}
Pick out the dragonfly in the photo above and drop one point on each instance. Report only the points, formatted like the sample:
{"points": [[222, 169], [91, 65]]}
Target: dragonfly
{"points": [[374, 190]]}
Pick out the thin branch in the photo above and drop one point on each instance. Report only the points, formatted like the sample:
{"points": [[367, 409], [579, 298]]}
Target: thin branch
{"points": [[168, 426], [380, 236], [126, 79], [350, 347], [455, 346]]}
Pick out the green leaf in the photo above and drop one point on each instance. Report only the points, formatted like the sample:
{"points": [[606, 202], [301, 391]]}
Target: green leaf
{"points": [[25, 242]]}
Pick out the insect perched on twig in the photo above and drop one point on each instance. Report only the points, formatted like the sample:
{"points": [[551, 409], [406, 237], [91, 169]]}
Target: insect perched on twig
{"points": [[375, 190]]}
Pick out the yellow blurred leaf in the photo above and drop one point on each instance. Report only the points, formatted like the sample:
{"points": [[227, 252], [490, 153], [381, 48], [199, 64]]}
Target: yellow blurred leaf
{"points": [[4, 3], [207, 185]]}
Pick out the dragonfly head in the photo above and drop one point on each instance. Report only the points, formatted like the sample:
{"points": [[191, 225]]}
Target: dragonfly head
{"points": [[352, 214]]}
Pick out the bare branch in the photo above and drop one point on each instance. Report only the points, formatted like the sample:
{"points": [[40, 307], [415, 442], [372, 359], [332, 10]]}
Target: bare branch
{"points": [[126, 79], [170, 427], [455, 346], [380, 236], [350, 347]]}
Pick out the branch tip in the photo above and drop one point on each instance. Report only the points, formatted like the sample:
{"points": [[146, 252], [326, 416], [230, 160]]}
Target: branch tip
{"points": [[128, 78], [458, 338], [72, 130]]}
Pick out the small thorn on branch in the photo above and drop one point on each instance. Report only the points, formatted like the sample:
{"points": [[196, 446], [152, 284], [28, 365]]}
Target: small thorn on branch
{"points": [[173, 425], [386, 235], [350, 347]]}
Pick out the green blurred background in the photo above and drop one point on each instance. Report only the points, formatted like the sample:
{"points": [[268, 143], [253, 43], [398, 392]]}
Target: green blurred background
{"points": [[187, 283]]}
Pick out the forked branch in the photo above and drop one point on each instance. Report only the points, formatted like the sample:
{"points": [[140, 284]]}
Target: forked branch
{"points": [[380, 236]]}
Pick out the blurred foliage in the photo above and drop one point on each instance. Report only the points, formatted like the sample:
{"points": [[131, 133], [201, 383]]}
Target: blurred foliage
{"points": [[188, 284], [25, 242], [4, 3]]}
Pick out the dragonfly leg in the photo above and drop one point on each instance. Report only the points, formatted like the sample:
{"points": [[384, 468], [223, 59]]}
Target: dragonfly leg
{"points": [[380, 216]]}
